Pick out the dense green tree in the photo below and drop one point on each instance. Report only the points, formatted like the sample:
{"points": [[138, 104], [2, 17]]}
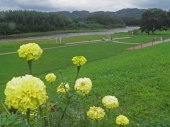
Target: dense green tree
{"points": [[168, 21], [168, 13], [154, 19], [3, 28]]}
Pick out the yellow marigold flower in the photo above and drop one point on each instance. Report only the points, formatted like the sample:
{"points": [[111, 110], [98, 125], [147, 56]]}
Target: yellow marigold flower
{"points": [[122, 120], [96, 113], [30, 51], [61, 88], [26, 92], [110, 102], [83, 85], [79, 60], [50, 77]]}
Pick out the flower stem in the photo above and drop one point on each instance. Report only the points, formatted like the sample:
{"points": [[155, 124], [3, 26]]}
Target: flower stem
{"points": [[48, 117], [61, 75], [62, 116], [68, 101], [109, 114], [28, 117], [30, 66], [78, 70], [97, 123], [64, 85]]}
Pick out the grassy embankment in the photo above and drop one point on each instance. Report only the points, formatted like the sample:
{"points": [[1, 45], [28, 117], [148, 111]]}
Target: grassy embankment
{"points": [[138, 78]]}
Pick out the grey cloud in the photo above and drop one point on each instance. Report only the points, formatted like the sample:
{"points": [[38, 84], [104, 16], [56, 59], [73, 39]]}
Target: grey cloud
{"points": [[89, 5], [162, 4]]}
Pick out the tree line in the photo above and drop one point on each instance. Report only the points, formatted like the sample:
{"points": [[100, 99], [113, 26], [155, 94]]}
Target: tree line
{"points": [[19, 21], [128, 12], [22, 21], [155, 19]]}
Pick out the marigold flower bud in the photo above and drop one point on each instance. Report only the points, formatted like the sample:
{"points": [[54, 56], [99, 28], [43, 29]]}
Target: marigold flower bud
{"points": [[61, 88], [50, 77]]}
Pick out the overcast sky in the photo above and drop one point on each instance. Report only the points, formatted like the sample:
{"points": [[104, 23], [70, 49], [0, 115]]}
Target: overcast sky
{"points": [[89, 5]]}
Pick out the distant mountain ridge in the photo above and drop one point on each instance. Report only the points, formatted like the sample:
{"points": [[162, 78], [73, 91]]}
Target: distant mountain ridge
{"points": [[127, 12]]}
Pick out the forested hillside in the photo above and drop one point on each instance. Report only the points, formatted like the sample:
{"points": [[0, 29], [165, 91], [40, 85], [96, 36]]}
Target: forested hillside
{"points": [[22, 21], [129, 12], [18, 22], [130, 16]]}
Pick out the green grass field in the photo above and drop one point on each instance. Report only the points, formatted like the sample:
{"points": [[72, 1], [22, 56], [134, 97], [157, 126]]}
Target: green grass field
{"points": [[138, 78]]}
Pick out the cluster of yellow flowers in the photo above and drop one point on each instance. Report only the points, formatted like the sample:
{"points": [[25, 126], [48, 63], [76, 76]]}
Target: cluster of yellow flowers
{"points": [[83, 85], [30, 51], [96, 113], [50, 77], [26, 92], [110, 102], [63, 88], [122, 120], [79, 60]]}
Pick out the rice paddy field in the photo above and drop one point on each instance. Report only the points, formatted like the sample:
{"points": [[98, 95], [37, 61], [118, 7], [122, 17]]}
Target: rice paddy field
{"points": [[138, 78]]}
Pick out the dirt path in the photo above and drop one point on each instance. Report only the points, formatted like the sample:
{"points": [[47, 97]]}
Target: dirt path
{"points": [[147, 44], [119, 42]]}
